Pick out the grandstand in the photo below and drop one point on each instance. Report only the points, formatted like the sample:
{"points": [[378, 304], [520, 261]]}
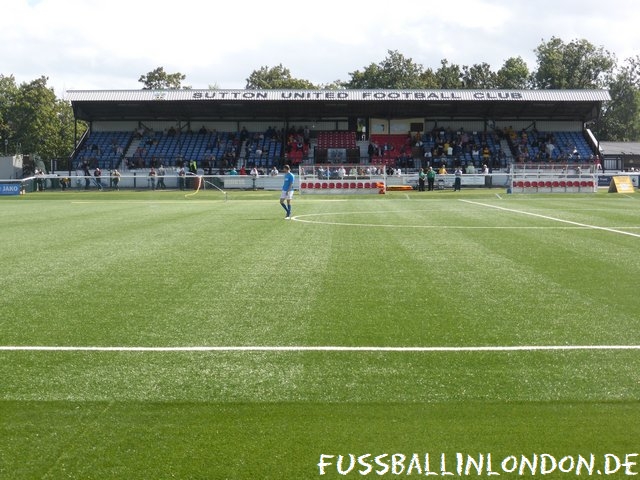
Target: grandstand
{"points": [[224, 130]]}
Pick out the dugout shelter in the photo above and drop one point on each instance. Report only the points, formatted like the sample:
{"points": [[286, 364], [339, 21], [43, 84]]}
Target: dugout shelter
{"points": [[229, 129]]}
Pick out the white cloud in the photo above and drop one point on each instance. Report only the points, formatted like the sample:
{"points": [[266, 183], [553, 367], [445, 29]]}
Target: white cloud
{"points": [[92, 44]]}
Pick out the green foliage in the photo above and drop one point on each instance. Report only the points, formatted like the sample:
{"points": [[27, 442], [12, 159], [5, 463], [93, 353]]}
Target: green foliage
{"points": [[394, 72], [575, 65], [158, 79], [479, 76], [514, 73], [449, 76], [34, 121], [277, 77], [621, 119]]}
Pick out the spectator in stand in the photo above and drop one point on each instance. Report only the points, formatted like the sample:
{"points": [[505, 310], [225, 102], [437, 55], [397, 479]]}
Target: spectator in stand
{"points": [[254, 176], [431, 178], [98, 174], [421, 178], [152, 178], [457, 183], [115, 179], [428, 155], [181, 178], [87, 174], [39, 180], [486, 154], [575, 154], [306, 135], [65, 183], [475, 153], [371, 150], [161, 174]]}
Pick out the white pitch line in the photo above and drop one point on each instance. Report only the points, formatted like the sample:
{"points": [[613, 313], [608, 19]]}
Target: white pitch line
{"points": [[301, 348], [555, 219]]}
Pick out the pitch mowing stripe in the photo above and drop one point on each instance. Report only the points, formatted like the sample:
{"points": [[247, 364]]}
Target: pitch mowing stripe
{"points": [[301, 348], [546, 217]]}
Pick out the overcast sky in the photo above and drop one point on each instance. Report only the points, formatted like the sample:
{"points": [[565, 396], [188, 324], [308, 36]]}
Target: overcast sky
{"points": [[109, 44]]}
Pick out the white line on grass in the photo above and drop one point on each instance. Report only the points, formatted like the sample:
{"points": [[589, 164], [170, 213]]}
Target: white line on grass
{"points": [[546, 217], [301, 348]]}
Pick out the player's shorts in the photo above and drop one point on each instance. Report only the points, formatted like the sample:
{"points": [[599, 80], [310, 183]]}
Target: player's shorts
{"points": [[286, 195]]}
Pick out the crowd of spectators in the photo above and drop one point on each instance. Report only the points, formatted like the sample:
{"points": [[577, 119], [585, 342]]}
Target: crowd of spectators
{"points": [[220, 152], [436, 147]]}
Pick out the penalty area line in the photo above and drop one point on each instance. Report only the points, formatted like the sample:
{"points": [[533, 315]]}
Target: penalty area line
{"points": [[302, 348], [555, 219]]}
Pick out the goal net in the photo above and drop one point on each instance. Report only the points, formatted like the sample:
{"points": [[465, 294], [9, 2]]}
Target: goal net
{"points": [[342, 179]]}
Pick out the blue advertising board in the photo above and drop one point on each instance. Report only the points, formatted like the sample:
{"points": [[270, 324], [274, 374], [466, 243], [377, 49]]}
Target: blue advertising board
{"points": [[9, 189]]}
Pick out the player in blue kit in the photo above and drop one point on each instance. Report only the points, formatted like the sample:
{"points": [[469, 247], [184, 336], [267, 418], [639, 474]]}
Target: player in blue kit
{"points": [[287, 191]]}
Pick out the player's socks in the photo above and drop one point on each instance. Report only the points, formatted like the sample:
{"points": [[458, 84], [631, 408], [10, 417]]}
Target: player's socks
{"points": [[285, 208]]}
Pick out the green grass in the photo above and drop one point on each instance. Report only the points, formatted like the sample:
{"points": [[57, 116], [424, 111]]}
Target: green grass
{"points": [[477, 268]]}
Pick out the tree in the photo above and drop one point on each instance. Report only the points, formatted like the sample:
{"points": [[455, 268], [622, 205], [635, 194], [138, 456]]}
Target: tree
{"points": [[429, 79], [449, 76], [576, 65], [276, 78], [394, 72], [514, 74], [158, 79], [41, 124], [621, 117], [34, 121], [479, 76], [8, 97]]}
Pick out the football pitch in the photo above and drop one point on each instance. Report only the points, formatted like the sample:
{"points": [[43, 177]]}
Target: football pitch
{"points": [[151, 335]]}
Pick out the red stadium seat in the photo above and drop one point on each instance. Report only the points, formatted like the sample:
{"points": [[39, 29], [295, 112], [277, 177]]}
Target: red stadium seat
{"points": [[332, 185], [534, 184], [563, 183], [339, 185], [352, 185], [360, 185], [548, 184], [324, 185], [583, 183], [318, 185], [555, 184], [303, 185], [527, 184]]}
